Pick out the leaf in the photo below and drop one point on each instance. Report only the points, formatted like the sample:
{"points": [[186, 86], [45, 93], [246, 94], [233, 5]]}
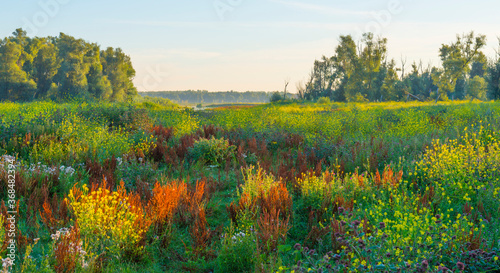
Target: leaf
{"points": [[284, 248]]}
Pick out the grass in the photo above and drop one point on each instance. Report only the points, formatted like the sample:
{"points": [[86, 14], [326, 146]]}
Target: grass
{"points": [[301, 187]]}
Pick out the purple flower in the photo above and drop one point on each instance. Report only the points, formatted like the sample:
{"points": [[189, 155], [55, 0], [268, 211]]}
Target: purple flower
{"points": [[425, 264], [297, 246]]}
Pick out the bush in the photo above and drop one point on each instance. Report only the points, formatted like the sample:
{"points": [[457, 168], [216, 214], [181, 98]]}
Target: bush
{"points": [[324, 100], [276, 97], [237, 252], [212, 151]]}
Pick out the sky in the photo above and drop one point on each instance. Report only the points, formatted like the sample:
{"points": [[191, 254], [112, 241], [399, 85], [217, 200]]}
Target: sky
{"points": [[249, 45]]}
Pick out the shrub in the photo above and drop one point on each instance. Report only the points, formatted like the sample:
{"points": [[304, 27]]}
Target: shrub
{"points": [[109, 221], [324, 100], [237, 251], [212, 151], [275, 97], [165, 201]]}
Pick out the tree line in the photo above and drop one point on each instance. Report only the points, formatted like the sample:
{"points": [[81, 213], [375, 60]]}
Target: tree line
{"points": [[62, 68], [204, 97], [362, 72]]}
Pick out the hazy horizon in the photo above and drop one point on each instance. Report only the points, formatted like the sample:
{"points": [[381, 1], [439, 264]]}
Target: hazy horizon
{"points": [[221, 45]]}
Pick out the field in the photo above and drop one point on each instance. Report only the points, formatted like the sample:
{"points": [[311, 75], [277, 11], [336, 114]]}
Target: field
{"points": [[290, 187]]}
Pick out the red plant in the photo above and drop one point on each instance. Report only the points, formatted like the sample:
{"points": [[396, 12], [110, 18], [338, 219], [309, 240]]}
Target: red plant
{"points": [[54, 214], [162, 134], [271, 231], [200, 233], [246, 203], [100, 171], [277, 199], [68, 251]]}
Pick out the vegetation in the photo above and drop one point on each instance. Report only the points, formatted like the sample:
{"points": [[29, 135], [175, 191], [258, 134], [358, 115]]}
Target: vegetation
{"points": [[359, 72], [321, 187], [62, 68], [205, 97]]}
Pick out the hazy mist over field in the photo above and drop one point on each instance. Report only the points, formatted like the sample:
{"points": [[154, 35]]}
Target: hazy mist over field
{"points": [[221, 45]]}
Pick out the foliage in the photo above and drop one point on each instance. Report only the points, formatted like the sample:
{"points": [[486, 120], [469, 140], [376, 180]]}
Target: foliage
{"points": [[323, 100], [212, 151], [359, 72], [112, 221], [237, 253], [276, 97], [62, 68], [340, 187]]}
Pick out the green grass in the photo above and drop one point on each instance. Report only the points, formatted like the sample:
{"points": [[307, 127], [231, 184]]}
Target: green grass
{"points": [[340, 164]]}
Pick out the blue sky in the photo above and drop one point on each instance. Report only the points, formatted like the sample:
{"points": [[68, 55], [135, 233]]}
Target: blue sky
{"points": [[249, 44]]}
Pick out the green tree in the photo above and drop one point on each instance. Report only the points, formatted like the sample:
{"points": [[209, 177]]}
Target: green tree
{"points": [[45, 67], [98, 84], [71, 77], [477, 88], [457, 58], [14, 82], [118, 68], [391, 89]]}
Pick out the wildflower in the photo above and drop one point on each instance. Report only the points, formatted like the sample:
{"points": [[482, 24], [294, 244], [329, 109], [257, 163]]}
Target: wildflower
{"points": [[460, 266], [442, 268], [381, 225], [297, 246], [341, 210], [425, 264]]}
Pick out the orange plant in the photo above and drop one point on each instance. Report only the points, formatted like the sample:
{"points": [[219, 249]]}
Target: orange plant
{"points": [[68, 251], [54, 214], [246, 203], [388, 178], [165, 201]]}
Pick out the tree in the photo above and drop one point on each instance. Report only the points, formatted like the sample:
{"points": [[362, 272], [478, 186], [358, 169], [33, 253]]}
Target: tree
{"points": [[354, 71], [71, 76], [99, 86], [493, 77], [477, 88], [45, 67], [457, 58], [62, 68], [14, 82], [389, 89], [119, 71]]}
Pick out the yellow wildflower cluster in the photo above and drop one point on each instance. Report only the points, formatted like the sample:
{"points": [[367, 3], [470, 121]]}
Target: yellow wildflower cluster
{"points": [[108, 216], [256, 181]]}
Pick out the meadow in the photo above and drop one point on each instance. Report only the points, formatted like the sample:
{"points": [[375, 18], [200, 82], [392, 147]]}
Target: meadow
{"points": [[284, 187]]}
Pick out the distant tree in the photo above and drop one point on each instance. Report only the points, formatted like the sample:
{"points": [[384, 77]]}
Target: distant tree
{"points": [[477, 88], [99, 86], [118, 68], [390, 89], [45, 67], [72, 74], [457, 58], [353, 69], [14, 82], [62, 68], [493, 77], [287, 81], [276, 97]]}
